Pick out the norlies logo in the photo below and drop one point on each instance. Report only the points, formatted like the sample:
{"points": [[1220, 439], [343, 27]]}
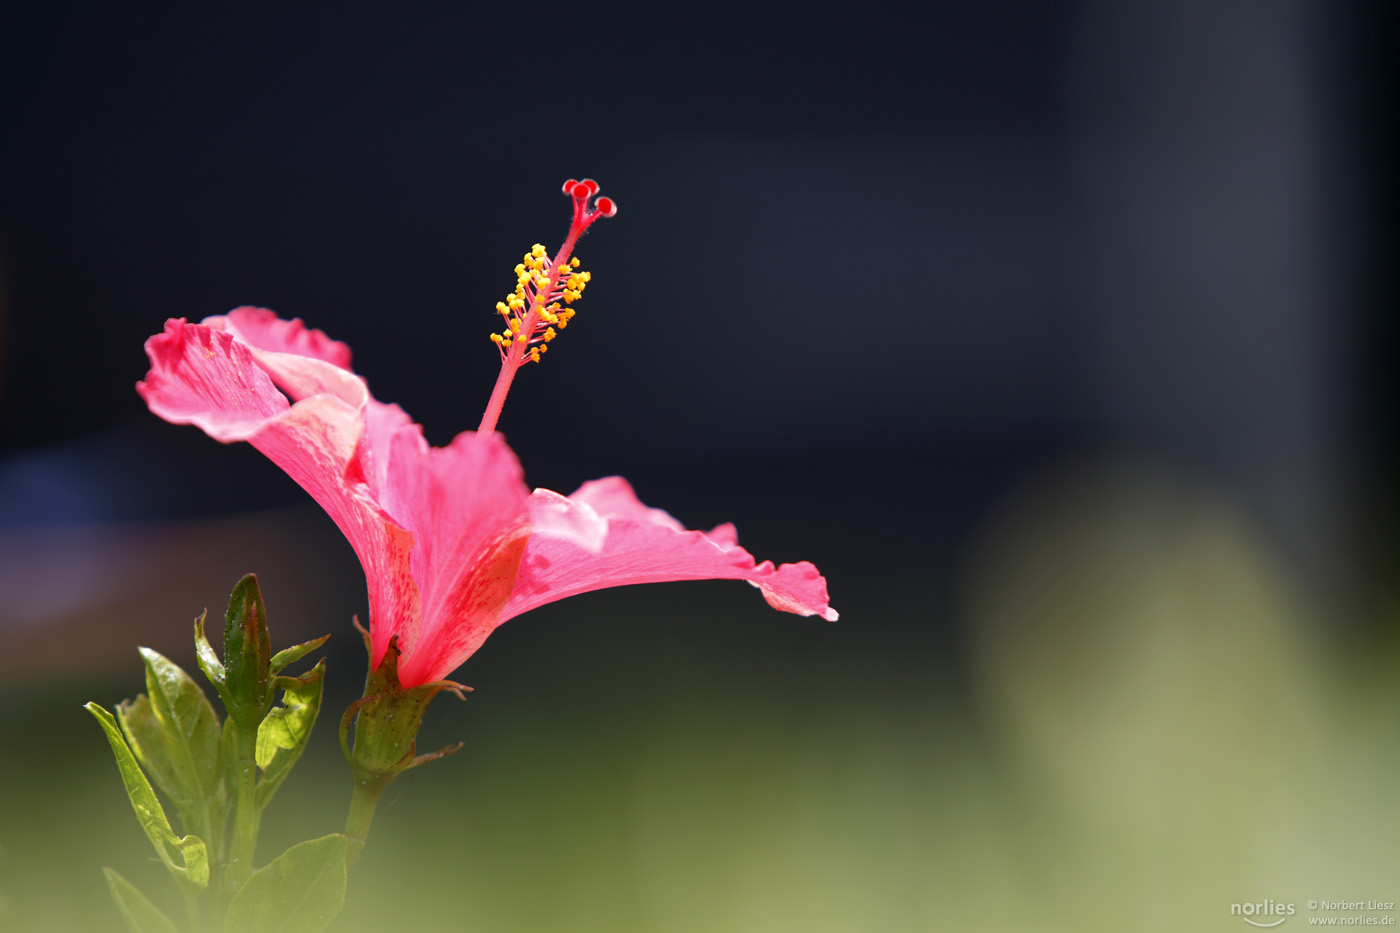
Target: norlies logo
{"points": [[1265, 913]]}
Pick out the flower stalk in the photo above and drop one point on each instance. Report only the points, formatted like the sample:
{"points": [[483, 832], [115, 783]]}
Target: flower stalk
{"points": [[386, 721], [245, 814]]}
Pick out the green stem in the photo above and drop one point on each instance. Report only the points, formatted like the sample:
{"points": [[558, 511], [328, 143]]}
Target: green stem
{"points": [[211, 831], [192, 908], [362, 804], [245, 816]]}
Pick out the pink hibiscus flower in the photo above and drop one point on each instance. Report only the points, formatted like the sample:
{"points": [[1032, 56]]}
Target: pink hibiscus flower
{"points": [[452, 541]]}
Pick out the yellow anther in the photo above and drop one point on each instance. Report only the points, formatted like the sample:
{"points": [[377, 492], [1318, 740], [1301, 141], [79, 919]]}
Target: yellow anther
{"points": [[587, 276], [537, 279]]}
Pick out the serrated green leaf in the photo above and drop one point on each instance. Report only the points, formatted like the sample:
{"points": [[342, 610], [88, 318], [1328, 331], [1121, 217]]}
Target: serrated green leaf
{"points": [[283, 734], [286, 656], [300, 891], [193, 870], [140, 914], [190, 727]]}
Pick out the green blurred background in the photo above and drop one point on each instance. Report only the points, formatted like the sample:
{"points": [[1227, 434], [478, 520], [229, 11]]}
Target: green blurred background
{"points": [[1058, 335]]}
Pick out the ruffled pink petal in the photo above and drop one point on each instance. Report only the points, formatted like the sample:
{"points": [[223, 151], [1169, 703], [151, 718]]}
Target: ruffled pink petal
{"points": [[205, 377], [613, 497], [440, 532], [262, 329], [277, 346], [604, 536], [282, 348], [726, 535]]}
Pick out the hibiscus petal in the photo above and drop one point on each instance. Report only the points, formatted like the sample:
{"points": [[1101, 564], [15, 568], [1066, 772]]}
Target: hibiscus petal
{"points": [[262, 329], [468, 503], [440, 531], [205, 377], [613, 497], [604, 536], [284, 349], [464, 613], [726, 535]]}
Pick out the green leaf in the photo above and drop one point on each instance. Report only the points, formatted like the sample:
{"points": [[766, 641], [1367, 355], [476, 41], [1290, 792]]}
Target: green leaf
{"points": [[295, 653], [190, 728], [300, 891], [193, 870], [229, 745], [283, 734], [140, 914], [147, 740], [208, 659]]}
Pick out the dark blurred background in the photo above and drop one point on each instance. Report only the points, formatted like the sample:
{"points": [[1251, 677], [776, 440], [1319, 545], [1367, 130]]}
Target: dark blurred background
{"points": [[1059, 335]]}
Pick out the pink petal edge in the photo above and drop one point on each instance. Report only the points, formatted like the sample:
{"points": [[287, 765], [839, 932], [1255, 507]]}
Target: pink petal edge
{"points": [[604, 536]]}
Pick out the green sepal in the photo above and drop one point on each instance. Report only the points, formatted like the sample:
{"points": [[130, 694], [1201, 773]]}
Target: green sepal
{"points": [[189, 728], [247, 654], [140, 914], [208, 659], [387, 719], [300, 891], [193, 872], [283, 735], [286, 656]]}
